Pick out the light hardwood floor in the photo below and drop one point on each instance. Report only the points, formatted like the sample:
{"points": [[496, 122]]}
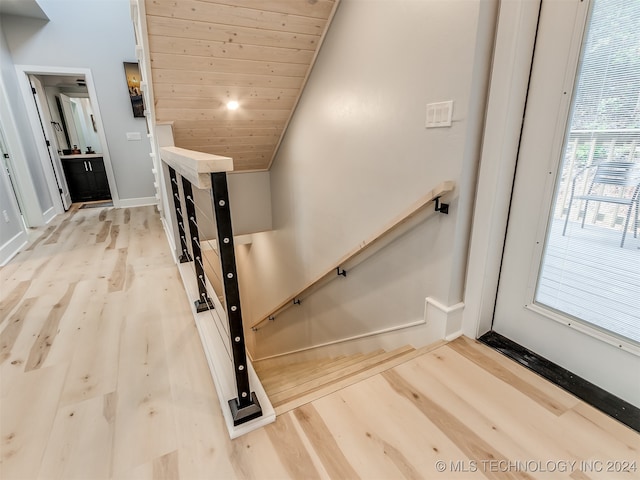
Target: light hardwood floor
{"points": [[103, 376]]}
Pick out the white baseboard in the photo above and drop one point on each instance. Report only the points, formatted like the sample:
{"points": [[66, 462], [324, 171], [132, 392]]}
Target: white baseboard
{"points": [[49, 215], [11, 248], [440, 322], [172, 244], [445, 322], [362, 342], [137, 202]]}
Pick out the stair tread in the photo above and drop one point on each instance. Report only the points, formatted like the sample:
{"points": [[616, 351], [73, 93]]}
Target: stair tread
{"points": [[322, 372], [297, 375], [286, 404], [266, 366], [276, 370], [315, 384]]}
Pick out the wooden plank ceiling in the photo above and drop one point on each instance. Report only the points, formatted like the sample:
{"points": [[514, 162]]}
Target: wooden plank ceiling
{"points": [[205, 53]]}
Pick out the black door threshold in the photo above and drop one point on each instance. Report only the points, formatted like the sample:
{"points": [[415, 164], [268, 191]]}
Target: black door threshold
{"points": [[595, 396]]}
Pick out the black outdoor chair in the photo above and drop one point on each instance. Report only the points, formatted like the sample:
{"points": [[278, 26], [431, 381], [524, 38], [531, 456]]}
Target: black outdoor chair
{"points": [[610, 174]]}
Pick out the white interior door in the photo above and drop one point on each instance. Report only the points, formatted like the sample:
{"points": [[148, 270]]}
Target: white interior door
{"points": [[40, 99], [523, 313]]}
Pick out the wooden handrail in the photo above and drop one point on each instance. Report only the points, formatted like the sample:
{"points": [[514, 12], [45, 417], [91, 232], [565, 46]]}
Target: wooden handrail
{"points": [[377, 238], [195, 166]]}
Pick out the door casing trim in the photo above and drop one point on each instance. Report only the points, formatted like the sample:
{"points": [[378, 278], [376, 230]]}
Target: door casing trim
{"points": [[23, 72], [512, 61]]}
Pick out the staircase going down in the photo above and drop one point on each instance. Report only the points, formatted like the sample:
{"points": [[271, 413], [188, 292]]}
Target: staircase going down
{"points": [[293, 384]]}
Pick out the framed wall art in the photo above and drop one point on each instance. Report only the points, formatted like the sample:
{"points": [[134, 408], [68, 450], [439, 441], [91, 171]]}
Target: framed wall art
{"points": [[132, 72]]}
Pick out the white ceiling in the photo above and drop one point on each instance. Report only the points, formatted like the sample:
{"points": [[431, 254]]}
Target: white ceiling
{"points": [[22, 8], [61, 80]]}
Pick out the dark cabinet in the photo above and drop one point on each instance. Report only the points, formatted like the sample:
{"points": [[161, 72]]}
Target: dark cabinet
{"points": [[86, 178]]}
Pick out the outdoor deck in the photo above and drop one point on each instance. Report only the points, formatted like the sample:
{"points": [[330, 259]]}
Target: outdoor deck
{"points": [[587, 275]]}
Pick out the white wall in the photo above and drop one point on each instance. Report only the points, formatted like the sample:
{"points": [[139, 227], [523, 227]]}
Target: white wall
{"points": [[20, 140], [12, 232], [357, 154], [98, 35]]}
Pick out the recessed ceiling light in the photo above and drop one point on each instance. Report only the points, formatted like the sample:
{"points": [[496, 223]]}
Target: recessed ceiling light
{"points": [[233, 105]]}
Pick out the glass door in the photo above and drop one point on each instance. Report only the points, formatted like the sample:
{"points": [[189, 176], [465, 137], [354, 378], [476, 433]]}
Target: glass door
{"points": [[570, 282]]}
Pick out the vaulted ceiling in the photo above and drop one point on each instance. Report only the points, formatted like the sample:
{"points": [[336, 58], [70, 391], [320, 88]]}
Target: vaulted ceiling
{"points": [[259, 53]]}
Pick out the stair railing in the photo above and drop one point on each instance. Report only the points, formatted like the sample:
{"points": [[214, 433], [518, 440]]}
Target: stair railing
{"points": [[189, 172], [364, 250]]}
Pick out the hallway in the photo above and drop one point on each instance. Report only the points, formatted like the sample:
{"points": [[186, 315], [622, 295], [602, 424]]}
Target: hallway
{"points": [[103, 376]]}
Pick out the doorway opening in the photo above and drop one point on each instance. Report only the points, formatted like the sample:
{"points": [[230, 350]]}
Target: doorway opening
{"points": [[65, 118]]}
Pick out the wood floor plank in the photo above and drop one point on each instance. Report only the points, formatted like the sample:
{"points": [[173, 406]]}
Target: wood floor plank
{"points": [[113, 237], [46, 337], [383, 434], [31, 320], [24, 267], [104, 232], [55, 236], [44, 236], [12, 329], [26, 417], [93, 368], [332, 457], [199, 421], [119, 273], [129, 366], [254, 456], [473, 445], [487, 359], [145, 426], [592, 438], [500, 413], [604, 423], [81, 440], [81, 305], [290, 449], [166, 467], [11, 299]]}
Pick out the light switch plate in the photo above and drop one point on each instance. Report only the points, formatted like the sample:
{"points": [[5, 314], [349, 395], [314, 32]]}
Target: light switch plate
{"points": [[134, 136], [439, 114]]}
